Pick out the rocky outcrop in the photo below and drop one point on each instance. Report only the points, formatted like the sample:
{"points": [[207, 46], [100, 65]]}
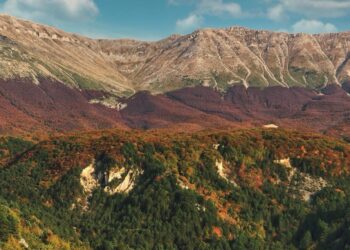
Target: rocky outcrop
{"points": [[115, 180], [301, 184], [121, 181]]}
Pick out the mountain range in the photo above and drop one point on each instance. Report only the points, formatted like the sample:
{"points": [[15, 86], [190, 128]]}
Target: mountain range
{"points": [[54, 82], [218, 58]]}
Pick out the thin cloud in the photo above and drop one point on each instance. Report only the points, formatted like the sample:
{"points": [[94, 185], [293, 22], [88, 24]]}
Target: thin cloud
{"points": [[276, 13], [313, 27], [205, 8], [51, 9], [218, 8], [188, 23], [310, 8]]}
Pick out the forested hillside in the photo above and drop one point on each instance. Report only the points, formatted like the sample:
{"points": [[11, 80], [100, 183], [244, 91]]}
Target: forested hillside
{"points": [[247, 189]]}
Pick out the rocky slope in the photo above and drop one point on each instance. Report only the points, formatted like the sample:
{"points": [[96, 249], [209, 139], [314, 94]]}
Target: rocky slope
{"points": [[33, 51], [209, 57], [224, 57]]}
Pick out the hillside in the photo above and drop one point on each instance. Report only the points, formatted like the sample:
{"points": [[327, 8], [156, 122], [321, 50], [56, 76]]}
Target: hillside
{"points": [[248, 189], [53, 108], [211, 57]]}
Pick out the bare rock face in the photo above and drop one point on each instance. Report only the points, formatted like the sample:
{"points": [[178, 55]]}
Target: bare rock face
{"points": [[218, 58]]}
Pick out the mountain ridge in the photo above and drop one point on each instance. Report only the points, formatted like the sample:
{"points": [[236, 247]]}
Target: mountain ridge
{"points": [[218, 58]]}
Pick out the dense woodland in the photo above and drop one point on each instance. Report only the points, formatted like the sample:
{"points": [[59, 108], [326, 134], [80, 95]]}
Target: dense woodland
{"points": [[179, 200]]}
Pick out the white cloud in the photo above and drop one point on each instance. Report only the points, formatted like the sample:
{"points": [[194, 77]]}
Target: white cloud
{"points": [[51, 9], [312, 8], [188, 23], [276, 13], [206, 8], [218, 8], [313, 26]]}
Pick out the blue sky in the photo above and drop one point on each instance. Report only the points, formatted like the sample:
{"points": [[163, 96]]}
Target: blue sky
{"points": [[156, 19]]}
